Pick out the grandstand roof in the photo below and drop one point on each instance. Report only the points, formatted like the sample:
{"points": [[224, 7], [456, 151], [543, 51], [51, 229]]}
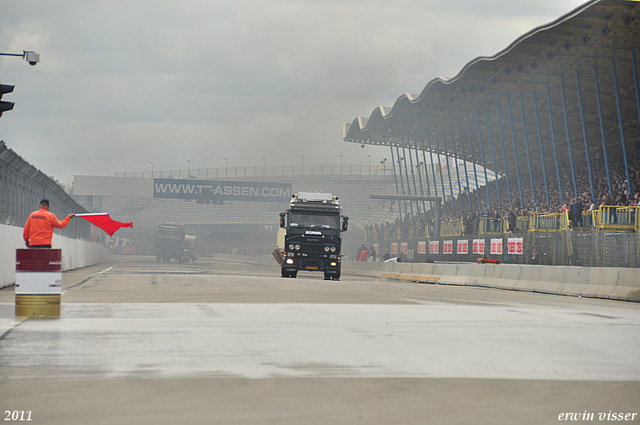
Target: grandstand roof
{"points": [[562, 70]]}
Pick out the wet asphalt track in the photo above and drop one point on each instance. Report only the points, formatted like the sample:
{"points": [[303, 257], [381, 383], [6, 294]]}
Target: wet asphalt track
{"points": [[307, 350]]}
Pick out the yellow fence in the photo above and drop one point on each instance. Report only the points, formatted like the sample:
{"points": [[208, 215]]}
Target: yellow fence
{"points": [[617, 219], [451, 229]]}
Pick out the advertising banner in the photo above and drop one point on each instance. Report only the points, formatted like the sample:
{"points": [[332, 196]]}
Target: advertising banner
{"points": [[434, 247], [394, 248], [404, 246], [376, 248], [478, 246], [211, 190], [422, 247], [447, 247], [515, 246], [463, 246], [496, 246]]}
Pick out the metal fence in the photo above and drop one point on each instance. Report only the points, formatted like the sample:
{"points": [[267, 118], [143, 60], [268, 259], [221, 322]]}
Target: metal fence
{"points": [[266, 171], [22, 186], [587, 248]]}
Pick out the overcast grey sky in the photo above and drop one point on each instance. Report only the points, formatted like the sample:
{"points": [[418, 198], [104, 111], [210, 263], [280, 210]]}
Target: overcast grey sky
{"points": [[122, 83]]}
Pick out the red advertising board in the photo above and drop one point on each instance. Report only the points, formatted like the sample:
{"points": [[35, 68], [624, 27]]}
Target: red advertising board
{"points": [[434, 247], [422, 247], [496, 246], [478, 246], [447, 247], [463, 246], [515, 246]]}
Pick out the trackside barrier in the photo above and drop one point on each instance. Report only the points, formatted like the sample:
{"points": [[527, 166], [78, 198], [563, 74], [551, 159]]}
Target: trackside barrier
{"points": [[594, 282]]}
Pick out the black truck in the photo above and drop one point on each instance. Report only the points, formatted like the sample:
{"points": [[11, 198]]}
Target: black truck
{"points": [[312, 238], [171, 242]]}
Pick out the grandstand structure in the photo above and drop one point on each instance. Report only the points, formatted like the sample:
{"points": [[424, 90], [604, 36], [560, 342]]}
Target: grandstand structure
{"points": [[555, 114], [237, 225]]}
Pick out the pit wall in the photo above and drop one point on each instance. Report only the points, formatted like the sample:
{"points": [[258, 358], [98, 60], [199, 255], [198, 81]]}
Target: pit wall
{"points": [[594, 282], [76, 253]]}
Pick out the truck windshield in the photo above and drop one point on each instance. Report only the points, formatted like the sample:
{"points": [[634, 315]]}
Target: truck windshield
{"points": [[314, 220]]}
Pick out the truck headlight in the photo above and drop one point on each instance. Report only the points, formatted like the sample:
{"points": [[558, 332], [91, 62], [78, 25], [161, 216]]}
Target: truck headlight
{"points": [[333, 264], [326, 248], [289, 261], [297, 247], [333, 249], [291, 246]]}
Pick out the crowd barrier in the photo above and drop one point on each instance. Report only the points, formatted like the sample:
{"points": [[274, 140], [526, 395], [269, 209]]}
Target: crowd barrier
{"points": [[76, 253], [600, 282]]}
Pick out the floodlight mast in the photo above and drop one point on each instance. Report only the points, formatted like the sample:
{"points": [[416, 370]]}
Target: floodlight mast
{"points": [[32, 57]]}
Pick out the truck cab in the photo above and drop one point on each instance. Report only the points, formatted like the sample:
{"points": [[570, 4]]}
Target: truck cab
{"points": [[313, 225]]}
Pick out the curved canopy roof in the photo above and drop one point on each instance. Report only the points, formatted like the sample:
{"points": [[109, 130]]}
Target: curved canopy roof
{"points": [[552, 88]]}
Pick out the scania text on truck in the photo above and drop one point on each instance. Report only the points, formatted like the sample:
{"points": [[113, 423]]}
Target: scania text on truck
{"points": [[313, 235]]}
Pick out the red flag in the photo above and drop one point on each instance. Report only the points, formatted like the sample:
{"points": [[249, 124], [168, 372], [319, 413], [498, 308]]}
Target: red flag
{"points": [[103, 221]]}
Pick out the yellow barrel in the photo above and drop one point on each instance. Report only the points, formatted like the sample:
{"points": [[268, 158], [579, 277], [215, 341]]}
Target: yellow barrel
{"points": [[38, 305]]}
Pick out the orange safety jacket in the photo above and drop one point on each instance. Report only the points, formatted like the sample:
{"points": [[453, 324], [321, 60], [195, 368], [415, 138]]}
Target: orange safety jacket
{"points": [[39, 227]]}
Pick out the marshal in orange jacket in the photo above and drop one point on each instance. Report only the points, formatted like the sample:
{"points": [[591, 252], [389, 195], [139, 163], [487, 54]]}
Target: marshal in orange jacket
{"points": [[39, 227]]}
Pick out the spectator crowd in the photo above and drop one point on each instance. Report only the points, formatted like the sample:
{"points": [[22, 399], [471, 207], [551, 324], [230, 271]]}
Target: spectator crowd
{"points": [[467, 208]]}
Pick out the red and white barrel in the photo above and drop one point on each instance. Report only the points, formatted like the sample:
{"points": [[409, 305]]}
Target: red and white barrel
{"points": [[38, 282]]}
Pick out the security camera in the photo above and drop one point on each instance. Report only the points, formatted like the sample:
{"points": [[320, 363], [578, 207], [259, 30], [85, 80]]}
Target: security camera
{"points": [[32, 58]]}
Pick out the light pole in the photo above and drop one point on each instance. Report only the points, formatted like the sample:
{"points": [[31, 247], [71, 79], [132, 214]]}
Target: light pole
{"points": [[341, 162], [226, 166], [188, 168], [369, 164], [264, 166], [302, 156], [151, 169], [31, 57]]}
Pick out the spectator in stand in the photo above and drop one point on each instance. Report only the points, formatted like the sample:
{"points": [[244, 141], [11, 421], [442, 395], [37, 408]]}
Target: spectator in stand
{"points": [[576, 211], [511, 219]]}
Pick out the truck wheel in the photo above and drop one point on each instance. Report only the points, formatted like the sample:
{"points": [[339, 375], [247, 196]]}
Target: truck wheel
{"points": [[327, 276], [294, 274], [285, 274]]}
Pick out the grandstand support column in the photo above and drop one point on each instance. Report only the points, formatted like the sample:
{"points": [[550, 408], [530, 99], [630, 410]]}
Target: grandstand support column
{"points": [[435, 199], [444, 142], [544, 170], [584, 136], [473, 160], [426, 172], [622, 141], [635, 80], [515, 151], [526, 147], [406, 173], [413, 175], [395, 176], [433, 169], [484, 161], [444, 197], [553, 142], [504, 154], [493, 154], [602, 134], [418, 165], [464, 158], [455, 155], [566, 124]]}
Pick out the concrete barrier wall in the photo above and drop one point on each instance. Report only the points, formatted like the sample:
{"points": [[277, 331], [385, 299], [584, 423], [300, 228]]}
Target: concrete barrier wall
{"points": [[595, 282], [75, 253]]}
